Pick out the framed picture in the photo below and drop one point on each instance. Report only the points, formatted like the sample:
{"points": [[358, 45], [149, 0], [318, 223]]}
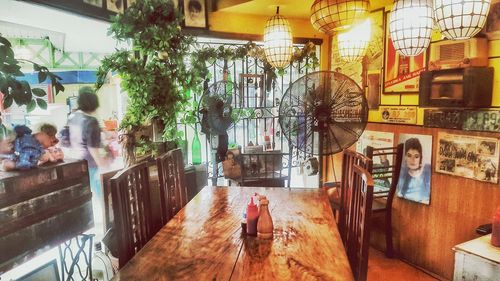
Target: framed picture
{"points": [[374, 59], [401, 74], [116, 6], [48, 271], [414, 182], [97, 3], [468, 156], [493, 21], [195, 13]]}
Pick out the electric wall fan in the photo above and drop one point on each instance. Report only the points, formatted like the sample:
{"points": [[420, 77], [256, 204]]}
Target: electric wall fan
{"points": [[217, 114], [323, 112]]}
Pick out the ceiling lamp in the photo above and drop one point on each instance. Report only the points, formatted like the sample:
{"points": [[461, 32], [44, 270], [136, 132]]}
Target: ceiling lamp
{"points": [[461, 19], [410, 26], [329, 16], [278, 41], [353, 43]]}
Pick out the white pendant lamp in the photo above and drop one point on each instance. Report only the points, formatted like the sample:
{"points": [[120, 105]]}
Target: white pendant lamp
{"points": [[461, 19], [410, 26], [353, 43], [278, 41], [329, 16]]}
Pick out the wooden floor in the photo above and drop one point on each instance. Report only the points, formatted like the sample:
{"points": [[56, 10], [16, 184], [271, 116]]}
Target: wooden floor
{"points": [[384, 269]]}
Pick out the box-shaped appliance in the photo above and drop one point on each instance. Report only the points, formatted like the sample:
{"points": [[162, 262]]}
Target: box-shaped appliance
{"points": [[448, 54], [461, 87]]}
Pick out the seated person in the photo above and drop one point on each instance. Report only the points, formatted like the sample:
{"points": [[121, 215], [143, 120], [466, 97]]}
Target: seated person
{"points": [[30, 150]]}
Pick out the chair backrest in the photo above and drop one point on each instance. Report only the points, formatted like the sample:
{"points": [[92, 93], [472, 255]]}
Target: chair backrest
{"points": [[358, 222], [349, 159], [131, 210], [173, 187], [386, 174], [269, 169]]}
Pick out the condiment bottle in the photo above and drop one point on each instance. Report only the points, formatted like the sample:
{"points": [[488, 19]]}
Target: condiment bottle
{"points": [[252, 218], [265, 223], [244, 223], [495, 229]]}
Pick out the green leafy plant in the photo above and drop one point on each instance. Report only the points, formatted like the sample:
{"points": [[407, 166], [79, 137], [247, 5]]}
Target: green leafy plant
{"points": [[16, 90]]}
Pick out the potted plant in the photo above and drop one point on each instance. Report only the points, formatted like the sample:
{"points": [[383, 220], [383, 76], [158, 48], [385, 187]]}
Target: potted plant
{"points": [[154, 71], [16, 90]]}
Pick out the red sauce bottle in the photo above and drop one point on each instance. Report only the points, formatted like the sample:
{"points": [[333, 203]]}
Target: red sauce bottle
{"points": [[252, 218], [495, 230]]}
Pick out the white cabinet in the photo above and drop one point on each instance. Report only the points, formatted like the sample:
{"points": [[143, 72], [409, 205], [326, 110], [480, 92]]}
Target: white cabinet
{"points": [[477, 260]]}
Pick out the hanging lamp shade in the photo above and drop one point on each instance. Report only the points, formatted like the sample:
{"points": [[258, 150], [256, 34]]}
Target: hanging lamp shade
{"points": [[352, 44], [329, 16], [410, 26], [278, 41], [461, 19]]}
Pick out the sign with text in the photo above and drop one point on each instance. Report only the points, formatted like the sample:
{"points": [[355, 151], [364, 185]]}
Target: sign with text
{"points": [[443, 118], [399, 114]]}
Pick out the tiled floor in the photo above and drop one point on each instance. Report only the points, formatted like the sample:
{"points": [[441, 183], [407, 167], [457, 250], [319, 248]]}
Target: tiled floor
{"points": [[385, 269]]}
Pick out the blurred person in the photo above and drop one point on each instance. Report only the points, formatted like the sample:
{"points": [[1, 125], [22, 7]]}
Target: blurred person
{"points": [[415, 178], [85, 142]]}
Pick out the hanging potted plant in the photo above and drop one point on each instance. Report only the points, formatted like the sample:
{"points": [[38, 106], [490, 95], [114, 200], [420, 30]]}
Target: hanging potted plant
{"points": [[153, 72]]}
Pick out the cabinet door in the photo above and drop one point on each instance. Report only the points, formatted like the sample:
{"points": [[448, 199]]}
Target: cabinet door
{"points": [[471, 267]]}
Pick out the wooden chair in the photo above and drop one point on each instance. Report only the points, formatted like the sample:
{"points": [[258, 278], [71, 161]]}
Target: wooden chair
{"points": [[386, 178], [357, 221], [173, 188], [339, 196], [131, 210]]}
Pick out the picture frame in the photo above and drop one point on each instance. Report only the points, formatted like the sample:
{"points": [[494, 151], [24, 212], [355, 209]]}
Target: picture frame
{"points": [[195, 13], [493, 21], [401, 74], [48, 271]]}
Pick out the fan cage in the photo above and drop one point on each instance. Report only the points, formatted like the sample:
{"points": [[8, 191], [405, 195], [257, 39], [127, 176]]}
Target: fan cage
{"points": [[458, 20], [278, 45], [410, 26], [329, 16]]}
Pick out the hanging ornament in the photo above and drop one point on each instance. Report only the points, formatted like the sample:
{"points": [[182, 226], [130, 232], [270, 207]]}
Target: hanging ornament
{"points": [[278, 41], [410, 26], [352, 44], [461, 19], [329, 16]]}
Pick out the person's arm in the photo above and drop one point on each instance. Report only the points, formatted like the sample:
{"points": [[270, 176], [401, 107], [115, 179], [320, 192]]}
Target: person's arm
{"points": [[94, 142]]}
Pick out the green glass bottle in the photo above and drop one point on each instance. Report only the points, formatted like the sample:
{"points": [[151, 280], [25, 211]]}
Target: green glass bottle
{"points": [[196, 149]]}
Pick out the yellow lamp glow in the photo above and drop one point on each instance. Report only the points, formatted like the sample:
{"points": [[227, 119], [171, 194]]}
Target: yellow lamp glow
{"points": [[352, 44], [278, 41], [330, 16]]}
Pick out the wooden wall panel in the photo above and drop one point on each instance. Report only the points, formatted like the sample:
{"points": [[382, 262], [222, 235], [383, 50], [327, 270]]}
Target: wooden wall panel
{"points": [[424, 235]]}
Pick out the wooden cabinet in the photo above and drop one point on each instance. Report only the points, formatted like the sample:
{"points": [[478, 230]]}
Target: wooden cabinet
{"points": [[41, 208], [477, 260]]}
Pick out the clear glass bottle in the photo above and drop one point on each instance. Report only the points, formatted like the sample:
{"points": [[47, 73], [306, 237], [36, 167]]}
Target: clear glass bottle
{"points": [[102, 269]]}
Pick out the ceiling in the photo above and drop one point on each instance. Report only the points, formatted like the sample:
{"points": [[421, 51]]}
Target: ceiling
{"points": [[288, 8]]}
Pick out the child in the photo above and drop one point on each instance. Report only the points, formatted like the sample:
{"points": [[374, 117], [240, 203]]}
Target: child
{"points": [[30, 150]]}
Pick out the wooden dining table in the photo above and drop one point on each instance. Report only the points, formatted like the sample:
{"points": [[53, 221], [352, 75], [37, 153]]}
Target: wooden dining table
{"points": [[204, 241]]}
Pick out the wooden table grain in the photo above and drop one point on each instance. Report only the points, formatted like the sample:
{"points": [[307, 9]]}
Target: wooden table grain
{"points": [[204, 241]]}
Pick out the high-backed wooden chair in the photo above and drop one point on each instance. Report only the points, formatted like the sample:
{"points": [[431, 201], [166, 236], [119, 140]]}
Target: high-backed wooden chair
{"points": [[131, 210], [357, 221], [341, 195], [173, 188], [385, 175]]}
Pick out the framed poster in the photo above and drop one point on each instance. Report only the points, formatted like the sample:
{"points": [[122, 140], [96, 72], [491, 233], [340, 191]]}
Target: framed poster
{"points": [[353, 70], [97, 3], [414, 182], [195, 13], [468, 156], [399, 114], [116, 6], [377, 140], [374, 59], [481, 120], [401, 74]]}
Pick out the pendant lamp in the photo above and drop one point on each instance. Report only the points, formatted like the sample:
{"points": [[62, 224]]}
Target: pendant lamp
{"points": [[352, 44], [278, 41], [330, 16], [410, 26], [461, 19]]}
